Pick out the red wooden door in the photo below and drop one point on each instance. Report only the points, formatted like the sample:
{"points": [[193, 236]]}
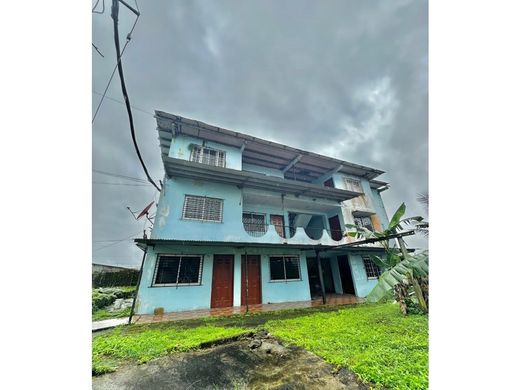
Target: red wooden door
{"points": [[335, 228], [254, 286], [222, 285], [277, 221]]}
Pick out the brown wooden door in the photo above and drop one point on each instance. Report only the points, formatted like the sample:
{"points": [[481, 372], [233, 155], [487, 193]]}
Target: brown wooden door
{"points": [[335, 228], [222, 285], [277, 221], [254, 286]]}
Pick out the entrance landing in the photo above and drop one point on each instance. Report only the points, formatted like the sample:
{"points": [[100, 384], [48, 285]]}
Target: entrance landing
{"points": [[332, 299]]}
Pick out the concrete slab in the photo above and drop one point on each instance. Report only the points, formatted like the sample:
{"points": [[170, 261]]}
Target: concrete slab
{"points": [[106, 324]]}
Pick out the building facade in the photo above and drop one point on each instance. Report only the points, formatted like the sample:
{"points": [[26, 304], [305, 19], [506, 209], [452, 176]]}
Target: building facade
{"points": [[242, 220]]}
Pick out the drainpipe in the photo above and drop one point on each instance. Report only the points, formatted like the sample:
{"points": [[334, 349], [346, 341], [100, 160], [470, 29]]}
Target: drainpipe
{"points": [[247, 284], [137, 289], [321, 276]]}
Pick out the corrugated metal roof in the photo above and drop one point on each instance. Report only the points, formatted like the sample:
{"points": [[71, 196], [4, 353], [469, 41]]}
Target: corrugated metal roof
{"points": [[309, 166]]}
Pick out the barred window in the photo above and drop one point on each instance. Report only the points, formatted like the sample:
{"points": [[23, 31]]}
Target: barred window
{"points": [[202, 208], [172, 270], [284, 268], [254, 223], [371, 268], [353, 185], [365, 222], [208, 156]]}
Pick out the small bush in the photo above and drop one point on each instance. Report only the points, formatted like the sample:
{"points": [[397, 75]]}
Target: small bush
{"points": [[105, 296]]}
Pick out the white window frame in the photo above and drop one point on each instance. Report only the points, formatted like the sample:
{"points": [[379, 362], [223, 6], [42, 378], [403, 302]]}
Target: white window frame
{"points": [[284, 270], [197, 155], [363, 224], [264, 225], [204, 209], [366, 257], [156, 270]]}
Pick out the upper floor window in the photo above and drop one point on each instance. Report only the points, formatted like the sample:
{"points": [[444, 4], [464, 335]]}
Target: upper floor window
{"points": [[208, 156], [202, 208], [254, 223], [284, 268], [353, 185], [172, 270], [372, 270], [365, 222]]}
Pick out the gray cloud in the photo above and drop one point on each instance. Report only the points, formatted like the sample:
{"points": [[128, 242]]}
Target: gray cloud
{"points": [[343, 78]]}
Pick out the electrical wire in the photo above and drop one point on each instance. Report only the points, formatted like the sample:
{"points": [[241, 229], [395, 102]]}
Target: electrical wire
{"points": [[95, 47], [123, 103], [120, 184], [119, 55], [136, 179], [115, 12], [95, 5]]}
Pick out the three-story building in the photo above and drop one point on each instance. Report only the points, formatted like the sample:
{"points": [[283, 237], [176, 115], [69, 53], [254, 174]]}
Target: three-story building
{"points": [[243, 220]]}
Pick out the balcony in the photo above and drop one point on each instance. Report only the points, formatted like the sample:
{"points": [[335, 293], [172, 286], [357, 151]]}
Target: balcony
{"points": [[285, 234]]}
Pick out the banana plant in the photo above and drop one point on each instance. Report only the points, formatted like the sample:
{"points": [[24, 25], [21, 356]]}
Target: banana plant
{"points": [[402, 269]]}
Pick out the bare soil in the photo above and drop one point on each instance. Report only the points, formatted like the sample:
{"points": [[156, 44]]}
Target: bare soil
{"points": [[257, 361]]}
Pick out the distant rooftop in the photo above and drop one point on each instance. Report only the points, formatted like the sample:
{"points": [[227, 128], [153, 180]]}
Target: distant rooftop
{"points": [[295, 163]]}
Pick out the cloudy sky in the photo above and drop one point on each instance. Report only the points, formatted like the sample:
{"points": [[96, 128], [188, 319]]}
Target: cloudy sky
{"points": [[348, 79]]}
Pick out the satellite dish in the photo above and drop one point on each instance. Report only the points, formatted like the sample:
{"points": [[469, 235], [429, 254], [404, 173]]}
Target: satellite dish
{"points": [[142, 213]]}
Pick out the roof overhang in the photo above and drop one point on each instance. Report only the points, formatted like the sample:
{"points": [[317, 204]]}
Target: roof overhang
{"points": [[295, 163], [192, 170]]}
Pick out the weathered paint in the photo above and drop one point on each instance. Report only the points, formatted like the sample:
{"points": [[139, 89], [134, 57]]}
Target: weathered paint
{"points": [[183, 298], [180, 148], [362, 284]]}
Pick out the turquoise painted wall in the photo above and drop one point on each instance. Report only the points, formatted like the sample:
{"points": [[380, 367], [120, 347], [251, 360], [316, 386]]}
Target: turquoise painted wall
{"points": [[362, 284], [180, 148], [169, 223], [199, 297], [290, 291], [379, 207]]}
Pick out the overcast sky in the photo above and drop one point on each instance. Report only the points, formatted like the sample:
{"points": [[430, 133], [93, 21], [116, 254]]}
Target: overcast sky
{"points": [[348, 79]]}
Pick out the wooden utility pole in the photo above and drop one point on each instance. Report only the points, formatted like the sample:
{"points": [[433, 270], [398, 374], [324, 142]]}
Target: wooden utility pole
{"points": [[320, 274]]}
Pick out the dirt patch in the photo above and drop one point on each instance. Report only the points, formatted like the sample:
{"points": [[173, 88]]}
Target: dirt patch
{"points": [[257, 361]]}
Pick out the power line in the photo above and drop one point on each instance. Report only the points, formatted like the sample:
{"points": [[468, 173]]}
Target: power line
{"points": [[95, 47], [121, 102], [95, 5], [115, 12], [120, 184], [118, 175], [119, 55]]}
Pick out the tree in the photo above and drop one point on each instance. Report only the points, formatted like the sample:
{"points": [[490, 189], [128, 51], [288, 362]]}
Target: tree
{"points": [[404, 272]]}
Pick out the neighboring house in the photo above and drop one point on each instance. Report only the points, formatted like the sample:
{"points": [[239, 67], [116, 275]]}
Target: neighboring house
{"points": [[110, 268], [104, 275], [228, 198]]}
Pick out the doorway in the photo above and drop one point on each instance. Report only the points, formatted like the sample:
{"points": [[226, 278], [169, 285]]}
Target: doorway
{"points": [[254, 286], [314, 276], [222, 284], [335, 228], [345, 274]]}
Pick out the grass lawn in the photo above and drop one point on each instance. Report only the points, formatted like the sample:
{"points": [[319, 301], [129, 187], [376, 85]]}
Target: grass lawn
{"points": [[104, 314], [375, 341]]}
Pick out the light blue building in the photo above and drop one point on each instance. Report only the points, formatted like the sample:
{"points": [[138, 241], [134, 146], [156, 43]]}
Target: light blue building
{"points": [[229, 200]]}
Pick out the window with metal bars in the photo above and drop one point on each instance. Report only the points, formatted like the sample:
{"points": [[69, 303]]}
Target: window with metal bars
{"points": [[201, 208], [254, 223], [208, 156], [173, 270], [355, 185], [372, 270], [365, 222], [284, 268]]}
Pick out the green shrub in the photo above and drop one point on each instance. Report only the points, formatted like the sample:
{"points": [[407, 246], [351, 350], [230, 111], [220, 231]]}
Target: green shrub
{"points": [[105, 296]]}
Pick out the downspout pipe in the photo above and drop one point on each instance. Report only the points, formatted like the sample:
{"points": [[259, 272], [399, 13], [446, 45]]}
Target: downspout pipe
{"points": [[137, 289], [247, 282]]}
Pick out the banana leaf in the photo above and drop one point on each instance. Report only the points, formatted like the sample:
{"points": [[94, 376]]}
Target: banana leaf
{"points": [[416, 265]]}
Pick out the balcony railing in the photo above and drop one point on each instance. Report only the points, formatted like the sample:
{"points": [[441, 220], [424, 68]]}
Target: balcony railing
{"points": [[314, 233]]}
